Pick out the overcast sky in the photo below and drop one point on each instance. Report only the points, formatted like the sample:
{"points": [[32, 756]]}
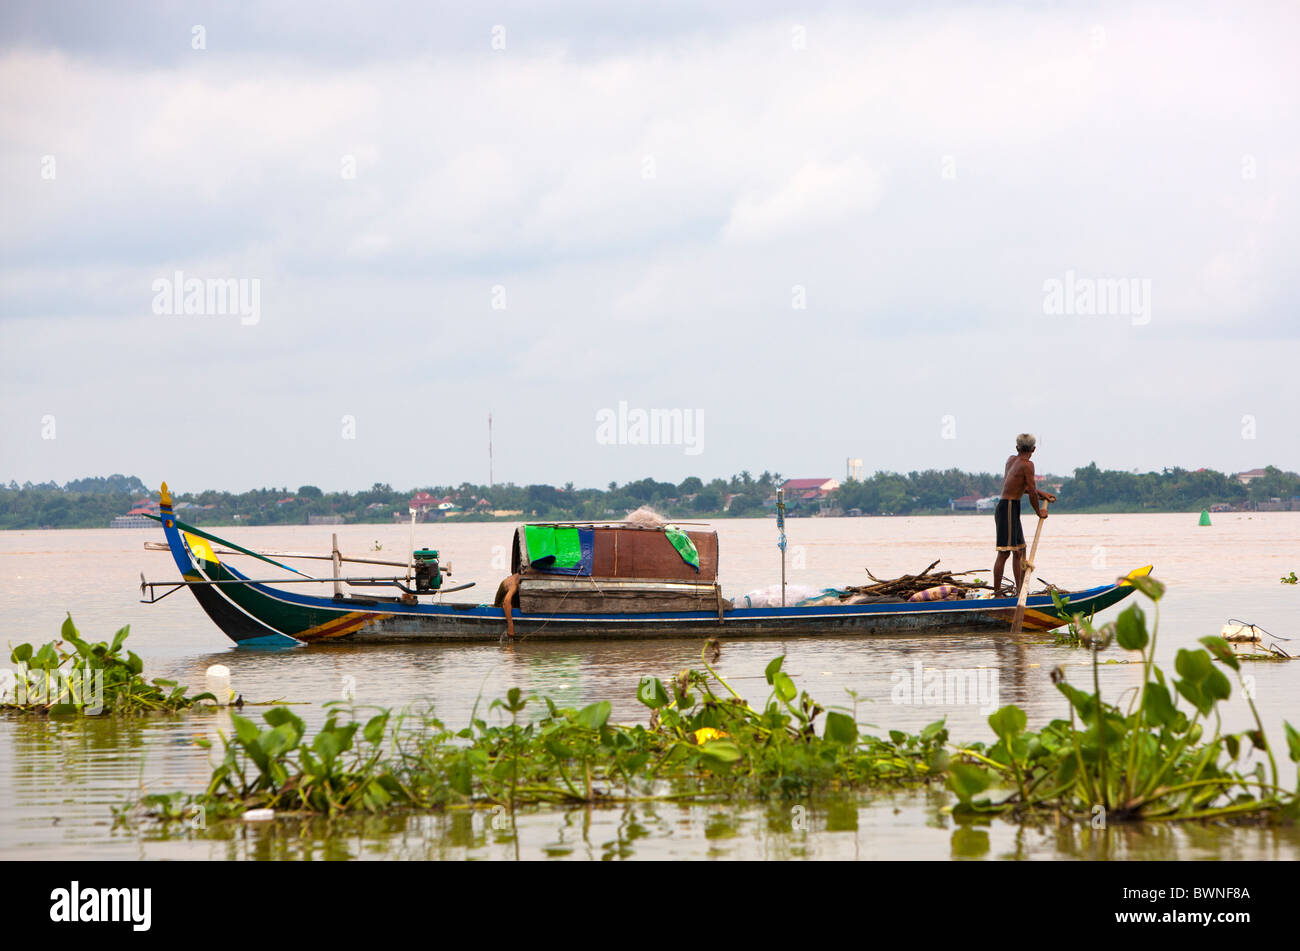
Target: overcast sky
{"points": [[819, 231]]}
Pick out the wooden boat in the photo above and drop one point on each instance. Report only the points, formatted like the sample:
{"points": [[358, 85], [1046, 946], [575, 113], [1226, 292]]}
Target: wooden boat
{"points": [[628, 582]]}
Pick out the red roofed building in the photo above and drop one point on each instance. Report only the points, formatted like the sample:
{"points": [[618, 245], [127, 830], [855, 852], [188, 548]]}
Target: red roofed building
{"points": [[799, 488], [807, 495], [421, 503]]}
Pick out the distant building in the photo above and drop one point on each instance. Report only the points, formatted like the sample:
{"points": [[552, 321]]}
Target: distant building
{"points": [[809, 495], [967, 503], [420, 504], [798, 488], [1249, 476], [138, 517], [324, 519]]}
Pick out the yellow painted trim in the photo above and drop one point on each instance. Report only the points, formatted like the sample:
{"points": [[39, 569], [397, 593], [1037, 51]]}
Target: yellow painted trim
{"points": [[201, 548], [1135, 573]]}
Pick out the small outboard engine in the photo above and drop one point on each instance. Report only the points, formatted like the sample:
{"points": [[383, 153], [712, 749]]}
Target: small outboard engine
{"points": [[428, 576]]}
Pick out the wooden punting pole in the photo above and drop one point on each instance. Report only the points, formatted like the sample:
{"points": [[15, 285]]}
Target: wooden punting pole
{"points": [[337, 560], [1019, 619]]}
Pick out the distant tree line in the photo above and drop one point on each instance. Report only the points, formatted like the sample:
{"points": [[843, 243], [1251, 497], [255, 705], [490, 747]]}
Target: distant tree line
{"points": [[1090, 489], [94, 502]]}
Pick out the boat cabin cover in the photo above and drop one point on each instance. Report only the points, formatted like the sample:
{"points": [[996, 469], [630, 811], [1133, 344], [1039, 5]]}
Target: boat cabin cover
{"points": [[617, 569], [615, 552]]}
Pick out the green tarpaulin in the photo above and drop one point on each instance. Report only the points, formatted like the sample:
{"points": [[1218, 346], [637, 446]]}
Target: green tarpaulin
{"points": [[562, 545], [685, 547]]}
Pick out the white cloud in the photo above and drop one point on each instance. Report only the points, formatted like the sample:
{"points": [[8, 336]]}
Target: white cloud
{"points": [[817, 195], [772, 166]]}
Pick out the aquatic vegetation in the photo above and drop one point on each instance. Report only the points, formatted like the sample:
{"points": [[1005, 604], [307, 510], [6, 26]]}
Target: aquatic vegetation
{"points": [[1290, 579], [1074, 634], [90, 679], [1152, 761], [703, 741]]}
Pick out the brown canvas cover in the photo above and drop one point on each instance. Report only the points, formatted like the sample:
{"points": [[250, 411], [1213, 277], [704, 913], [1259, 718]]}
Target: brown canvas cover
{"points": [[624, 552]]}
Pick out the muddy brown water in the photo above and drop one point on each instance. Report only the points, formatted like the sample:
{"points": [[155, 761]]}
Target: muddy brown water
{"points": [[59, 780]]}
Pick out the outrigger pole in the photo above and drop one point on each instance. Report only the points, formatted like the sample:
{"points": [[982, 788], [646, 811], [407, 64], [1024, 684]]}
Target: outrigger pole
{"points": [[162, 546], [395, 582], [221, 541]]}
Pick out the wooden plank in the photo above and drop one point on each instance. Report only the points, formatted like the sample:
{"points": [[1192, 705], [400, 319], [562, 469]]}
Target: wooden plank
{"points": [[553, 595]]}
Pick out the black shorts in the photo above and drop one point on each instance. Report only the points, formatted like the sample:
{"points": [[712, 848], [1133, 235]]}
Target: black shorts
{"points": [[1007, 516]]}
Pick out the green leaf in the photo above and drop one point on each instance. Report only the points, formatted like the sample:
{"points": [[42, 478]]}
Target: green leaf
{"points": [[245, 729], [1222, 650], [1131, 629], [651, 692], [1193, 692], [1158, 705], [374, 731], [69, 630], [967, 781], [328, 744], [724, 751], [1292, 741], [1216, 685], [558, 749], [280, 716], [514, 700], [1081, 701], [1149, 586], [936, 730], [460, 776], [118, 638], [773, 667], [785, 688], [45, 658], [593, 717], [1194, 665], [21, 654], [840, 728], [1008, 723]]}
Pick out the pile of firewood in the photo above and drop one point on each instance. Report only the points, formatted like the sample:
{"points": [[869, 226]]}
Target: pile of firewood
{"points": [[908, 585]]}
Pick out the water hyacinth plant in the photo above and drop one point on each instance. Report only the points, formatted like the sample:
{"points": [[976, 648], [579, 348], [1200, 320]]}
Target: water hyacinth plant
{"points": [[1164, 757], [703, 741], [91, 678], [1155, 760]]}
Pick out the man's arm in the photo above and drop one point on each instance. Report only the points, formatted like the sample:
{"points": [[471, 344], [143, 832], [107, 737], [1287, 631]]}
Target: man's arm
{"points": [[1035, 499]]}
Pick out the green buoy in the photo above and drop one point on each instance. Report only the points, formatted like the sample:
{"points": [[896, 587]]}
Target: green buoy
{"points": [[1205, 516]]}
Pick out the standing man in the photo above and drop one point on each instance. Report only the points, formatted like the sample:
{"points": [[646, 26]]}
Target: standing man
{"points": [[1019, 480]]}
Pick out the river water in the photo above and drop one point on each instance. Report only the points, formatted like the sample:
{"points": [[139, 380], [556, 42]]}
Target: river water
{"points": [[60, 780]]}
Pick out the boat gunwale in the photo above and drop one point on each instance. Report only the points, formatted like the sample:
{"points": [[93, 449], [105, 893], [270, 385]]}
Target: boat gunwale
{"points": [[463, 609]]}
